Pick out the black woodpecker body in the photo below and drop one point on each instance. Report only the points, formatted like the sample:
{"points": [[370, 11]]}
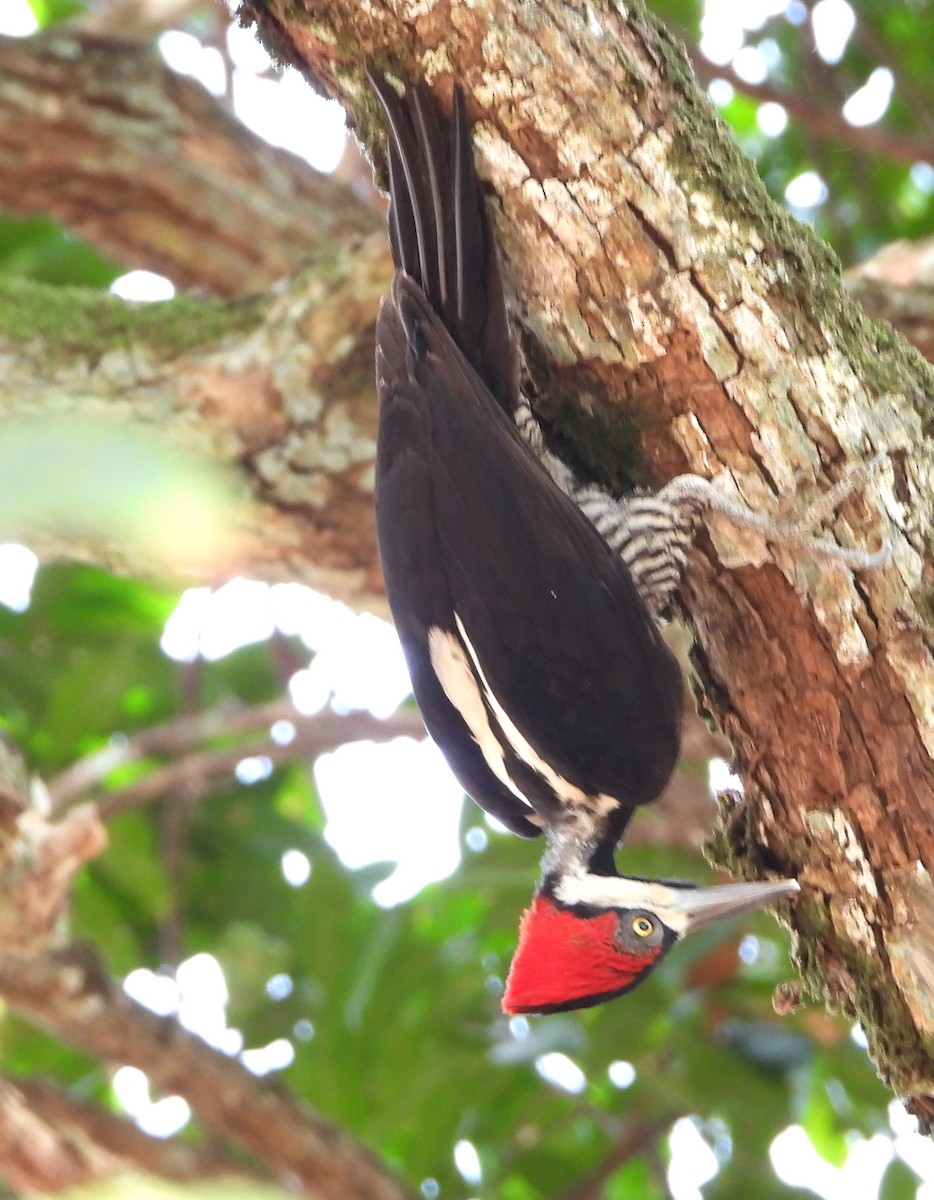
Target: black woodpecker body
{"points": [[535, 660]]}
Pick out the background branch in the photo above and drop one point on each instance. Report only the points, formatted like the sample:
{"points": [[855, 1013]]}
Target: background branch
{"points": [[107, 1143], [39, 1155], [897, 285], [149, 141], [280, 457], [73, 1000], [176, 738], [821, 121], [634, 1139], [194, 775]]}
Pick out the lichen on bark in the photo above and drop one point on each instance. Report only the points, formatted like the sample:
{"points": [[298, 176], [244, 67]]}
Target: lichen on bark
{"points": [[68, 319]]}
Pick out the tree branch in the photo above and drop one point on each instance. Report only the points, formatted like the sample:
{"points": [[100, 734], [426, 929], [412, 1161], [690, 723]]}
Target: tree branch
{"points": [[39, 858], [37, 1156], [176, 737], [634, 1139], [98, 133], [71, 998], [823, 122], [871, 36], [104, 1142], [194, 775], [897, 285], [256, 420]]}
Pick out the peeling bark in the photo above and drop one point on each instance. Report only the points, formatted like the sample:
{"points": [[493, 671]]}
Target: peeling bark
{"points": [[656, 287]]}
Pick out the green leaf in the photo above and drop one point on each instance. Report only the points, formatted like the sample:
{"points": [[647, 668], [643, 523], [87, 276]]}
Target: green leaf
{"points": [[35, 247], [821, 1122], [635, 1181], [899, 1182]]}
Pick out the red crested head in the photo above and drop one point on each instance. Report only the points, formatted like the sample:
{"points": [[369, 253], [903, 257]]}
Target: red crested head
{"points": [[567, 960]]}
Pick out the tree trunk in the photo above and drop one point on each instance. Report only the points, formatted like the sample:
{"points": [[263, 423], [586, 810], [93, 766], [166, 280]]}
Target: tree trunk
{"points": [[673, 318]]}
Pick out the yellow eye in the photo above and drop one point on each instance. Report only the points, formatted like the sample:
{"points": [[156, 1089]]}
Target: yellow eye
{"points": [[642, 926]]}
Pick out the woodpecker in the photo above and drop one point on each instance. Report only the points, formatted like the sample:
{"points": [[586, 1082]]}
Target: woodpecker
{"points": [[528, 627]]}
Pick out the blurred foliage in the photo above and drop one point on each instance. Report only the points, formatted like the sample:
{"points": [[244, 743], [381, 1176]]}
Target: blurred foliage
{"points": [[98, 480], [141, 1187], [48, 12], [36, 248], [394, 1014]]}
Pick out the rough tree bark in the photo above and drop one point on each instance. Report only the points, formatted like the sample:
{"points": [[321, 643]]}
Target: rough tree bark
{"points": [[671, 318], [655, 286]]}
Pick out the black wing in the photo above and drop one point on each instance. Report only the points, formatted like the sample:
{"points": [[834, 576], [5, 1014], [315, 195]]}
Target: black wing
{"points": [[477, 542], [412, 555]]}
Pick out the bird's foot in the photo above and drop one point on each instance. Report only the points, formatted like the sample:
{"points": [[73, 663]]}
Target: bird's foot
{"points": [[798, 531], [653, 534]]}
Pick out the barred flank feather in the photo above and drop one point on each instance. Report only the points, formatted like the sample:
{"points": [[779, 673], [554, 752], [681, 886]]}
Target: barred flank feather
{"points": [[651, 535]]}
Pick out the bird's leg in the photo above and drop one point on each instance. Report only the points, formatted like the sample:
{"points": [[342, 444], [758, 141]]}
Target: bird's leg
{"points": [[653, 534]]}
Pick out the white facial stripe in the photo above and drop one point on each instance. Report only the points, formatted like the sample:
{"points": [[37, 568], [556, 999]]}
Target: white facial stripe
{"points": [[562, 788], [606, 891], [449, 663]]}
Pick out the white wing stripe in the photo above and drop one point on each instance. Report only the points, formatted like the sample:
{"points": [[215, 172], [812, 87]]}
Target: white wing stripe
{"points": [[566, 792], [457, 679]]}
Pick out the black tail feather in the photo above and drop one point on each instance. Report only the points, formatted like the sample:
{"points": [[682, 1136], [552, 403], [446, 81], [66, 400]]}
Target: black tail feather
{"points": [[440, 232]]}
